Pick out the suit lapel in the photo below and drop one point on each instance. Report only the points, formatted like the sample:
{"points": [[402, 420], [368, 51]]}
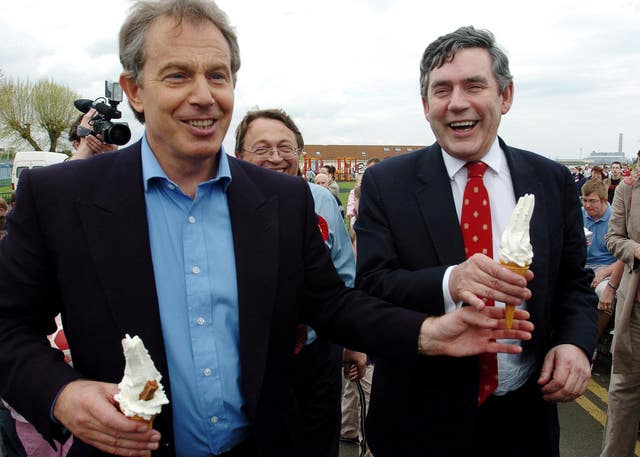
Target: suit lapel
{"points": [[435, 200], [256, 227], [526, 180], [115, 223]]}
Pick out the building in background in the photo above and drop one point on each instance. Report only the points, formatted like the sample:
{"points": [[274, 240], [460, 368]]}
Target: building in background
{"points": [[349, 160]]}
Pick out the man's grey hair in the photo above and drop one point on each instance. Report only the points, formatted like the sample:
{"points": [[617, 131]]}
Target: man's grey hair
{"points": [[444, 49], [133, 34]]}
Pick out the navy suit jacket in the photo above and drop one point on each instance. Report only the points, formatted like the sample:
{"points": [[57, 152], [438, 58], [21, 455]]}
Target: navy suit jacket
{"points": [[408, 234], [78, 244]]}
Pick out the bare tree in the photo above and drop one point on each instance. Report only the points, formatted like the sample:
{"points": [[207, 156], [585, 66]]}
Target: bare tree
{"points": [[35, 113]]}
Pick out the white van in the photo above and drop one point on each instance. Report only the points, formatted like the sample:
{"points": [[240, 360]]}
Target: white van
{"points": [[32, 159]]}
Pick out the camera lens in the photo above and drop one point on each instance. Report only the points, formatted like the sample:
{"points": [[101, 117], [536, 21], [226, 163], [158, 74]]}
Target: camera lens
{"points": [[117, 134]]}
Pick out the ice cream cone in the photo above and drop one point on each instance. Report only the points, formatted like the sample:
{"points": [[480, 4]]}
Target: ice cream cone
{"points": [[511, 309], [149, 422]]}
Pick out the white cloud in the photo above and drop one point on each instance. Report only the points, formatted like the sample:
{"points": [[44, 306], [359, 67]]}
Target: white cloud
{"points": [[347, 70]]}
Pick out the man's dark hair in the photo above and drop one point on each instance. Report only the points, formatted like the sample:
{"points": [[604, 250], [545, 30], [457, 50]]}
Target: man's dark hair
{"points": [[275, 114], [444, 49], [73, 130]]}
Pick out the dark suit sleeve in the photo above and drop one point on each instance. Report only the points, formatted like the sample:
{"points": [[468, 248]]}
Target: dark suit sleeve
{"points": [[348, 316], [392, 263], [32, 372], [573, 303]]}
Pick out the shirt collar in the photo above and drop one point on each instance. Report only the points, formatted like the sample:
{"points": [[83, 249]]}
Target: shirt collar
{"points": [[151, 169], [605, 217], [494, 159]]}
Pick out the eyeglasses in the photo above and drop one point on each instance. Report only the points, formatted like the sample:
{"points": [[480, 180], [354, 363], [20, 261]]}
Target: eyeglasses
{"points": [[591, 201], [286, 151]]}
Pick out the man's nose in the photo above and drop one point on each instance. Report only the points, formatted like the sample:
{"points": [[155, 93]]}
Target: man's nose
{"points": [[201, 92]]}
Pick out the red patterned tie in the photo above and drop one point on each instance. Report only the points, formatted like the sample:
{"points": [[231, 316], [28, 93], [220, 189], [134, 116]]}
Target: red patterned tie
{"points": [[475, 222]]}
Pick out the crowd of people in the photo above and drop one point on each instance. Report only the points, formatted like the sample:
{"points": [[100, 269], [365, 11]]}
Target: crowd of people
{"points": [[256, 293]]}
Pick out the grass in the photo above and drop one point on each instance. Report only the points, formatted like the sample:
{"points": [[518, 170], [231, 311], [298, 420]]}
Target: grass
{"points": [[345, 188]]}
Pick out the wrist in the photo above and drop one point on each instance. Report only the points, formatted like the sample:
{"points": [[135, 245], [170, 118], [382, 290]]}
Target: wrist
{"points": [[423, 337], [615, 288]]}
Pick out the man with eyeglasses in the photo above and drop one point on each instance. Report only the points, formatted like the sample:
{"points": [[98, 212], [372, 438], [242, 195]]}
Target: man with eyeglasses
{"points": [[596, 213], [270, 139]]}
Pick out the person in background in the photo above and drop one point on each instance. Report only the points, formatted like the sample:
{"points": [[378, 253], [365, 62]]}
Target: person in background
{"points": [[4, 209], [625, 171], [270, 139], [324, 180], [84, 142], [32, 441], [352, 207], [612, 181], [579, 179], [597, 173], [596, 213], [413, 250], [332, 185], [358, 374], [623, 405], [212, 261], [10, 445]]}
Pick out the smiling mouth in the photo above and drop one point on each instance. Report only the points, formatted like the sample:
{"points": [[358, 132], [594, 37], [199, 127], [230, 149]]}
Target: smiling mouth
{"points": [[463, 125], [201, 123]]}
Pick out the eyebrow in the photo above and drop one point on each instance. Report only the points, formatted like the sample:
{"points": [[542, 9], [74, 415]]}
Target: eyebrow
{"points": [[471, 79]]}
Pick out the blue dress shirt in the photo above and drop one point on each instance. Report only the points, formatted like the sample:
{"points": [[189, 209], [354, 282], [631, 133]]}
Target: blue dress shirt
{"points": [[195, 275]]}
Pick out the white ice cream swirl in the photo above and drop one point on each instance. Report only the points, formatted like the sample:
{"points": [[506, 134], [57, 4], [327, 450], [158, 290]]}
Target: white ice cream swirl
{"points": [[515, 246], [139, 369]]}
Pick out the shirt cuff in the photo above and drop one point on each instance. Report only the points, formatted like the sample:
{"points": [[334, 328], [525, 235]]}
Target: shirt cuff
{"points": [[449, 304]]}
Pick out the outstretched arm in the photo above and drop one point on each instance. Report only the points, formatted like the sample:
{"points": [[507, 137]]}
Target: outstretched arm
{"points": [[467, 331]]}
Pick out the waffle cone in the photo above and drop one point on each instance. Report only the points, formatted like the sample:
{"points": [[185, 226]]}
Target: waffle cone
{"points": [[149, 422], [511, 309]]}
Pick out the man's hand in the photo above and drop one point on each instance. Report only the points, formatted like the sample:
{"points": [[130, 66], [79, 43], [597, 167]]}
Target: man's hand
{"points": [[90, 145], [481, 277], [565, 373], [606, 300], [87, 409], [355, 364], [467, 331]]}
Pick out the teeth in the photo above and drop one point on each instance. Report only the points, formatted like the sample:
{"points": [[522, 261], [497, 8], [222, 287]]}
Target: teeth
{"points": [[463, 124], [201, 123]]}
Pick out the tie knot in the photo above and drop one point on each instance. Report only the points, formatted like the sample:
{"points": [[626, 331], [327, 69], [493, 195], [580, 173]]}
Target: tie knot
{"points": [[476, 169]]}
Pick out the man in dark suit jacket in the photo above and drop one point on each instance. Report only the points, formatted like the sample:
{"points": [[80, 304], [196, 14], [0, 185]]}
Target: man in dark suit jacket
{"points": [[411, 251], [86, 240]]}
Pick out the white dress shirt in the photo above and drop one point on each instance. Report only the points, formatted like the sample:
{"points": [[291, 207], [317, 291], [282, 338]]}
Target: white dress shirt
{"points": [[513, 369]]}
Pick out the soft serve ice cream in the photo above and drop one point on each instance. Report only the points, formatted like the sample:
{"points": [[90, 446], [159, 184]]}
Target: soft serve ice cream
{"points": [[516, 252], [515, 246], [141, 395]]}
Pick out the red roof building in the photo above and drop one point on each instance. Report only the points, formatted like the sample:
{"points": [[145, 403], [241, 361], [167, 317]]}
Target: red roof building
{"points": [[349, 160]]}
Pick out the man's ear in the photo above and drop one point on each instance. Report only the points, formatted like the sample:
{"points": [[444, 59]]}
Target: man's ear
{"points": [[131, 88], [425, 108]]}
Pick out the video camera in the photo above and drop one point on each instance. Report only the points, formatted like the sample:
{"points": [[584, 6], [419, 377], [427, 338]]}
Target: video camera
{"points": [[112, 132]]}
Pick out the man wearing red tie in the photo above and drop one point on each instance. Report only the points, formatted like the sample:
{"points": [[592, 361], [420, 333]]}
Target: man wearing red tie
{"points": [[428, 232]]}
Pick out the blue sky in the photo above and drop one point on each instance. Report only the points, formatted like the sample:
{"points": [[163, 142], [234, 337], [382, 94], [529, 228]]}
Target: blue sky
{"points": [[347, 70]]}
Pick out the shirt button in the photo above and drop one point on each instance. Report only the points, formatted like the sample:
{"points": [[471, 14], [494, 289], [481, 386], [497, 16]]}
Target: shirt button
{"points": [[191, 219], [200, 321], [214, 420], [207, 371], [171, 186], [195, 270]]}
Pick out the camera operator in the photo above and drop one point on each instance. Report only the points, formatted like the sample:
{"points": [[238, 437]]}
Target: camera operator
{"points": [[85, 143]]}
